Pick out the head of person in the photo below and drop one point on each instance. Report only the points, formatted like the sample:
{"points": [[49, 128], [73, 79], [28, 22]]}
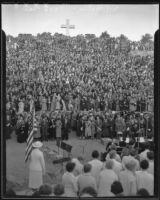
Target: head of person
{"points": [[81, 159], [37, 144], [87, 168], [133, 152], [125, 152], [95, 154], [88, 192], [112, 154], [45, 189], [131, 165], [109, 164], [70, 166], [10, 193], [59, 190], [146, 145], [113, 147], [144, 164], [132, 142], [150, 155], [142, 192], [116, 188], [108, 145]]}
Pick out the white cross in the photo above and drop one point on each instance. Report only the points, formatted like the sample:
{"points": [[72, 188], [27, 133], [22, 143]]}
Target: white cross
{"points": [[67, 26]]}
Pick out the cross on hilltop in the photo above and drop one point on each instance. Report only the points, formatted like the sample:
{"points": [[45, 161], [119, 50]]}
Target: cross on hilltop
{"points": [[67, 26]]}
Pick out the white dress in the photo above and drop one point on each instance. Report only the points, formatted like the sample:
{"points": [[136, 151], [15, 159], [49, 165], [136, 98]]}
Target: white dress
{"points": [[44, 104], [21, 107], [36, 169]]}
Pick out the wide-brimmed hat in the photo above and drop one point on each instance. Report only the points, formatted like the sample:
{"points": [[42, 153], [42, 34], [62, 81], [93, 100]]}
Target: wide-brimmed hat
{"points": [[37, 144]]}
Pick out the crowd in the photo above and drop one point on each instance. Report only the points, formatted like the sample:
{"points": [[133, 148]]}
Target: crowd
{"points": [[95, 87], [129, 173], [82, 78]]}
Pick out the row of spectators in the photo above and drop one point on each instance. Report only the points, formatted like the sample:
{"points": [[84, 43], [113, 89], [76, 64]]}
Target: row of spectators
{"points": [[87, 125]]}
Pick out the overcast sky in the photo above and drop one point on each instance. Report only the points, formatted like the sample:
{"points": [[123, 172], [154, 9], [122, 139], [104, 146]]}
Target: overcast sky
{"points": [[130, 20]]}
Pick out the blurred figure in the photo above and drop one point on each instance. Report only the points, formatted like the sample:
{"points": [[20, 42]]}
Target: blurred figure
{"points": [[117, 189], [69, 180], [144, 179], [36, 166], [96, 165], [86, 179], [88, 192], [128, 179], [106, 178]]}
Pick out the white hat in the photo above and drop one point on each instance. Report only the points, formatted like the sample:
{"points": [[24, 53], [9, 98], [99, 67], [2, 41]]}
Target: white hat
{"points": [[37, 144]]}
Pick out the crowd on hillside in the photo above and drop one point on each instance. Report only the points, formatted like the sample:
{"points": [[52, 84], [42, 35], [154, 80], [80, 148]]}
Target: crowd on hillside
{"points": [[83, 79], [94, 86], [129, 173]]}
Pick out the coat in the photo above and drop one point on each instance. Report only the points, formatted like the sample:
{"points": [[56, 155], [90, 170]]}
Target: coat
{"points": [[44, 104], [21, 107], [133, 104], [106, 129], [86, 180], [58, 128], [128, 181], [96, 168], [106, 178], [93, 128], [145, 180], [36, 169], [119, 125], [88, 128], [53, 103], [70, 184]]}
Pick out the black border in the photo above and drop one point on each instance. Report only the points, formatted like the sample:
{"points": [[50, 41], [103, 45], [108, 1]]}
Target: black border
{"points": [[156, 97]]}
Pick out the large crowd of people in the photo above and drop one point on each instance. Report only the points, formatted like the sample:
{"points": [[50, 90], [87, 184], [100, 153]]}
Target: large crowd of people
{"points": [[91, 85], [79, 81]]}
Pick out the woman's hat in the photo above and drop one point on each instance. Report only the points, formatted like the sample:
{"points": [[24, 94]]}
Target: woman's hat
{"points": [[37, 144]]}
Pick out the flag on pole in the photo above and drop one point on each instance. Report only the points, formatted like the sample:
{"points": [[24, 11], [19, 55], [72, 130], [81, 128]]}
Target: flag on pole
{"points": [[32, 124]]}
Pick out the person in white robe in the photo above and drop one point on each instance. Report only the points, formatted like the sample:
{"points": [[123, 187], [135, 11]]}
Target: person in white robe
{"points": [[69, 180], [106, 178], [53, 103], [36, 166], [21, 107], [144, 179]]}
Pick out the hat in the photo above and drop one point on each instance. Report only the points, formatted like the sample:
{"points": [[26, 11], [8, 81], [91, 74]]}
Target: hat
{"points": [[37, 144]]}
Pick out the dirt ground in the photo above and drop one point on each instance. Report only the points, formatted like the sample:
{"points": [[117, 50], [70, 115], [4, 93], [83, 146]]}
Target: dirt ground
{"points": [[17, 170]]}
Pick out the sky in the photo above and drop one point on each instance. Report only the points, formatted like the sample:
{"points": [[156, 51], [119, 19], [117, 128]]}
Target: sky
{"points": [[131, 20]]}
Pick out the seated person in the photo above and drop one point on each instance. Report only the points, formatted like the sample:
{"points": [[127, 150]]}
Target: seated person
{"points": [[142, 192], [45, 190], [59, 190], [116, 188], [88, 192]]}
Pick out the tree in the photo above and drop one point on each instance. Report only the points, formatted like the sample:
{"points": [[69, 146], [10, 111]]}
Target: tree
{"points": [[123, 43], [90, 36], [122, 38], [147, 38], [46, 35], [105, 35], [58, 35]]}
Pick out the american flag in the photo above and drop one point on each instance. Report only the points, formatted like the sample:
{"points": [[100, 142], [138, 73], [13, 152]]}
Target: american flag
{"points": [[32, 125]]}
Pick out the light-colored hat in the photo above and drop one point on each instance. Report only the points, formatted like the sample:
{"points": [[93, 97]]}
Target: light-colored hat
{"points": [[37, 144]]}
